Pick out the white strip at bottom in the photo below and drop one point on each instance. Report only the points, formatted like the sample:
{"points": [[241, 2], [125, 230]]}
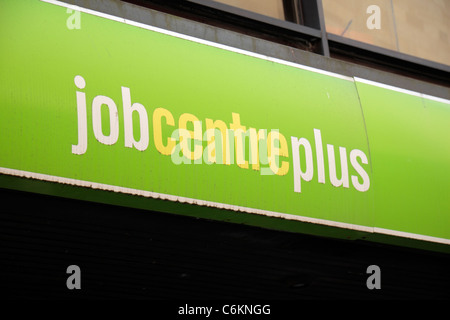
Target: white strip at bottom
{"points": [[162, 196], [410, 235]]}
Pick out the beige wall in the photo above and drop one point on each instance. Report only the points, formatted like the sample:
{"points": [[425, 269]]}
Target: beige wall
{"points": [[271, 8], [352, 13], [417, 27], [424, 28]]}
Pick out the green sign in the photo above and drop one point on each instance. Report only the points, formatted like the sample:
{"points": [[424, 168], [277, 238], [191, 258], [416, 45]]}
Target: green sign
{"points": [[101, 102]]}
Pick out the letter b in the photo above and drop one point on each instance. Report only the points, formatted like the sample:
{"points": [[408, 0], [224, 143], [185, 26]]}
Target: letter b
{"points": [[128, 110]]}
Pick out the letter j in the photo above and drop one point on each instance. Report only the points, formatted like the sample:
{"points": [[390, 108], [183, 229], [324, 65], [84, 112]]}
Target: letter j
{"points": [[82, 121]]}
